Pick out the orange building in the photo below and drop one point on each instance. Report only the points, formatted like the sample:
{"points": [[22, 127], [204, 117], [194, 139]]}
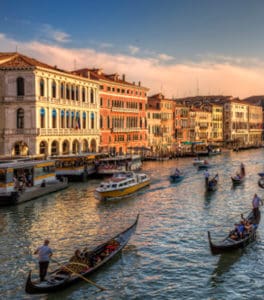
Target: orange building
{"points": [[123, 122]]}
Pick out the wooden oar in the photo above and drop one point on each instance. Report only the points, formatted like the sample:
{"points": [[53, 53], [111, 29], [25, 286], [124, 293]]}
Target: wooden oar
{"points": [[79, 275]]}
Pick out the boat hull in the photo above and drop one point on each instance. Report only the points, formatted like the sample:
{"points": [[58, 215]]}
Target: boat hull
{"points": [[176, 179], [229, 244], [122, 192], [31, 193], [49, 287]]}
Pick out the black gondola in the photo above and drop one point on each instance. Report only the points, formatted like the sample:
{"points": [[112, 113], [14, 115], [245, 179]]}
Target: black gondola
{"points": [[261, 180], [239, 178], [211, 184], [229, 244], [176, 178], [61, 278]]}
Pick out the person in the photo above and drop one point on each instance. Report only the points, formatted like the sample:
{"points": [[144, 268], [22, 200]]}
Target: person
{"points": [[177, 172], [237, 176], [44, 253], [256, 202], [206, 175], [242, 169]]}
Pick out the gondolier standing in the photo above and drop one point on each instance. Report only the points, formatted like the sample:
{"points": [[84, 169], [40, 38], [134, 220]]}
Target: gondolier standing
{"points": [[256, 202], [44, 253]]}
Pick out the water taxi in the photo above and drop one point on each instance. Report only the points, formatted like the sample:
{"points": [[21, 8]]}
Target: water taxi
{"points": [[117, 164], [75, 166], [24, 180], [121, 184]]}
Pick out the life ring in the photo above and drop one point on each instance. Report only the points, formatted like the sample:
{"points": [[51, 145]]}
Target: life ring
{"points": [[261, 182]]}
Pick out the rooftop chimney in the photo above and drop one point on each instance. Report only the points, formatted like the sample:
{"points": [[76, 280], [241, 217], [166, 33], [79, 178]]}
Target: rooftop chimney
{"points": [[139, 83], [124, 77]]}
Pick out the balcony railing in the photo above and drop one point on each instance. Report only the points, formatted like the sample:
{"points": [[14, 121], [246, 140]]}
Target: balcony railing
{"points": [[131, 129]]}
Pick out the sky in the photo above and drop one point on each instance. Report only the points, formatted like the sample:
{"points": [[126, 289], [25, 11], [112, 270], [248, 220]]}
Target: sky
{"points": [[178, 47]]}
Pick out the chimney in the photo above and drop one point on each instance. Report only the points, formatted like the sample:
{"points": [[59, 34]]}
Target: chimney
{"points": [[124, 77], [139, 83], [133, 82], [87, 74]]}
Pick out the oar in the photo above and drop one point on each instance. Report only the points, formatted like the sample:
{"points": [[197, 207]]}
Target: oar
{"points": [[79, 275]]}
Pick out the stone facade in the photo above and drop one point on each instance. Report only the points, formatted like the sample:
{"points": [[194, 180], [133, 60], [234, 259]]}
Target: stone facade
{"points": [[46, 110]]}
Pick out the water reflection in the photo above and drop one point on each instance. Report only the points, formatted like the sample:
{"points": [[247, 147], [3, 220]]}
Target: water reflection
{"points": [[167, 258]]}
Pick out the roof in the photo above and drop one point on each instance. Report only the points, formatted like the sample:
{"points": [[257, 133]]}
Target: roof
{"points": [[98, 74], [19, 61]]}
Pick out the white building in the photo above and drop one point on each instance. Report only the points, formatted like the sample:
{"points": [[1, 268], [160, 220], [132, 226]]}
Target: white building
{"points": [[45, 110]]}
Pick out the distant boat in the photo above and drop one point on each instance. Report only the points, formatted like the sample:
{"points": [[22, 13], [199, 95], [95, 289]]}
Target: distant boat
{"points": [[205, 165], [198, 162], [211, 184], [176, 177], [121, 184], [261, 180], [240, 177]]}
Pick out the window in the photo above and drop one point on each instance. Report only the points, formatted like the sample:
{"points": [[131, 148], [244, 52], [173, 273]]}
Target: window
{"points": [[62, 91], [20, 118], [101, 101], [92, 96], [67, 119], [83, 95], [73, 92], [62, 118], [42, 118], [108, 122], [92, 120], [84, 120], [41, 87], [54, 118], [67, 92], [54, 92], [20, 86], [101, 122], [72, 119]]}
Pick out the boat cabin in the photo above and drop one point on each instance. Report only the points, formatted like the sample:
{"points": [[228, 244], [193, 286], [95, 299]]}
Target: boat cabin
{"points": [[18, 175]]}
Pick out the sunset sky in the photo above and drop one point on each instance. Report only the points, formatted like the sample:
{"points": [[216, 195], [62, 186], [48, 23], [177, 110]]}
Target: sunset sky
{"points": [[180, 48]]}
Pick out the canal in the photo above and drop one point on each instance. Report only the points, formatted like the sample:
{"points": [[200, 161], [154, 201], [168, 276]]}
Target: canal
{"points": [[167, 258]]}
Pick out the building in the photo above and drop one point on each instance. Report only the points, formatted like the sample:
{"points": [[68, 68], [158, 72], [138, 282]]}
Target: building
{"points": [[46, 110], [123, 120], [166, 134]]}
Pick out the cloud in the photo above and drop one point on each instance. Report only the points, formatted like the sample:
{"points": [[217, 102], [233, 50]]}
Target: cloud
{"points": [[54, 34], [133, 49], [165, 57], [105, 45], [213, 76]]}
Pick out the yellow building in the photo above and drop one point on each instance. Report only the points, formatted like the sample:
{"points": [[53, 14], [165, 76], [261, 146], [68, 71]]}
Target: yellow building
{"points": [[255, 125], [46, 110], [202, 125]]}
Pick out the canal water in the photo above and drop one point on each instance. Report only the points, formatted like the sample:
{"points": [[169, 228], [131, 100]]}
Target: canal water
{"points": [[167, 258]]}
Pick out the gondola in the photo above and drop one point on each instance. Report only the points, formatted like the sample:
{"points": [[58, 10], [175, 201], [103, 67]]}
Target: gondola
{"points": [[229, 244], [176, 178], [61, 278], [204, 166], [236, 180], [261, 180], [211, 184]]}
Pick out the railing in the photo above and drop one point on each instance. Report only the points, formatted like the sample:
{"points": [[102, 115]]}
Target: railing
{"points": [[125, 110], [23, 131], [131, 129], [67, 131]]}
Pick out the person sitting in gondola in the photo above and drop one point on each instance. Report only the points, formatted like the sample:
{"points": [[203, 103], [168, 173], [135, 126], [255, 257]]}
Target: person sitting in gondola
{"points": [[177, 172], [238, 177]]}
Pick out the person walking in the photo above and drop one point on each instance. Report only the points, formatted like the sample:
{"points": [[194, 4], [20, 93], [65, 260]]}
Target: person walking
{"points": [[44, 253]]}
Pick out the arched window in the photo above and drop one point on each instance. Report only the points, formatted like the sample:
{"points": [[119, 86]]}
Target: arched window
{"points": [[84, 120], [54, 118], [92, 120], [20, 118], [54, 91], [92, 96], [108, 122], [67, 92], [42, 87], [62, 118], [77, 121], [72, 119], [101, 122], [77, 93], [20, 86], [73, 92], [42, 118], [83, 95], [62, 91], [68, 119]]}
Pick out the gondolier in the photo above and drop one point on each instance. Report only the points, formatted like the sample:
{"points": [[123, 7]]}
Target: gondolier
{"points": [[256, 202], [44, 253]]}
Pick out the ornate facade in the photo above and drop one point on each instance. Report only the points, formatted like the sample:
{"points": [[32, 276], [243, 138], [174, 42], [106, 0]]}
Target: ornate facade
{"points": [[45, 110]]}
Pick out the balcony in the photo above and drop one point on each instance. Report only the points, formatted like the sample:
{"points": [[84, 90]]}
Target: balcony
{"points": [[131, 129], [67, 132], [125, 110]]}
